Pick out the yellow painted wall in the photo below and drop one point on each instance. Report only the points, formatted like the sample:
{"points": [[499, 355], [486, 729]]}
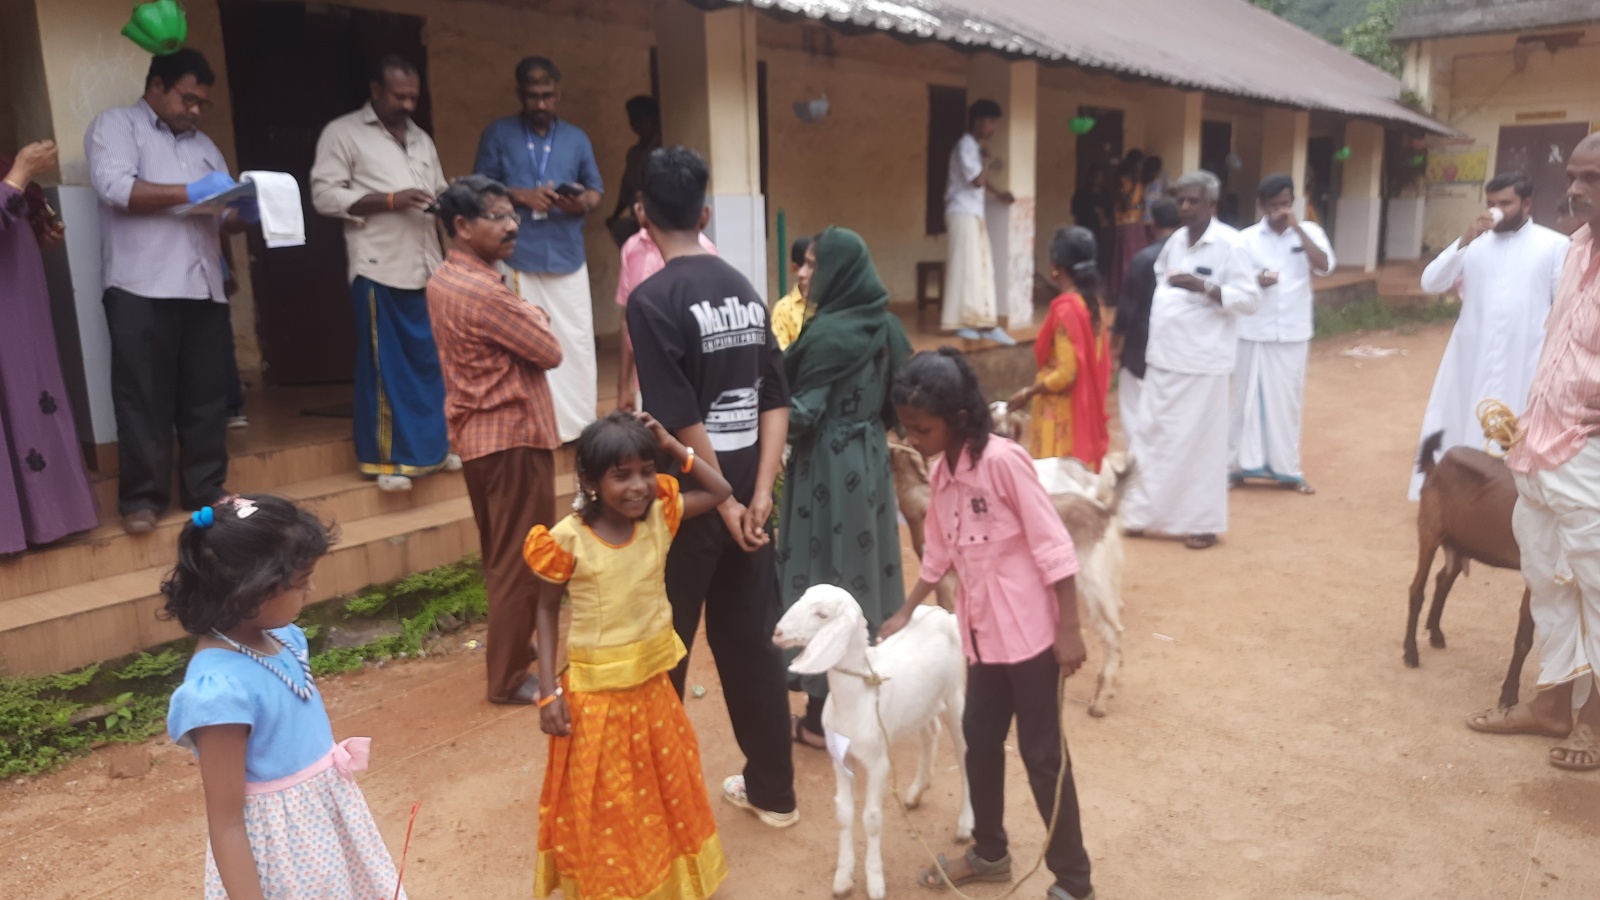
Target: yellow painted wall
{"points": [[1480, 84]]}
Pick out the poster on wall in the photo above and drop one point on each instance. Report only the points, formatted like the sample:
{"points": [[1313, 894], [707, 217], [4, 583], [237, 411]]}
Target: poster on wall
{"points": [[1458, 165]]}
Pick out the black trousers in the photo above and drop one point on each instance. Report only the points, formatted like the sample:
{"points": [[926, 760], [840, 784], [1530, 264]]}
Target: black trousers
{"points": [[739, 592], [1027, 690], [168, 374]]}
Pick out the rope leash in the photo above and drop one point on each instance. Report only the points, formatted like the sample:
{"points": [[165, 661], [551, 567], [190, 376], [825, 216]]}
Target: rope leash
{"points": [[1500, 426], [874, 680]]}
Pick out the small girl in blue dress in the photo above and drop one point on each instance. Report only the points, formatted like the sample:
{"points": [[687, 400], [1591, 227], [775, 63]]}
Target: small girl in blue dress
{"points": [[286, 819]]}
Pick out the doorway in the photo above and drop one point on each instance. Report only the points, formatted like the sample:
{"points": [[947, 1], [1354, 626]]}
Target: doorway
{"points": [[947, 122], [1540, 152], [1099, 151], [292, 68], [1216, 146]]}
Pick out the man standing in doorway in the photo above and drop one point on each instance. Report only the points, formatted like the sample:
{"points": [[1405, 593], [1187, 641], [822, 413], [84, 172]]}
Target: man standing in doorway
{"points": [[644, 117], [495, 350], [378, 171], [1204, 281], [549, 166], [1557, 468], [1269, 381], [1131, 332], [1505, 269], [712, 373], [968, 307], [165, 304]]}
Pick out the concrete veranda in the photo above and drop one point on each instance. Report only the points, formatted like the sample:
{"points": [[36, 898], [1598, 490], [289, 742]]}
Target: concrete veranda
{"points": [[1266, 742]]}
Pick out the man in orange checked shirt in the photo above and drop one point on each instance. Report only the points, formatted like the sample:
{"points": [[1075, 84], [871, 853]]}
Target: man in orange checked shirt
{"points": [[494, 350]]}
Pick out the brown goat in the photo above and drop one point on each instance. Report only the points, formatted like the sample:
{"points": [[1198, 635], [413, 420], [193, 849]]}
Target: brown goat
{"points": [[1467, 500]]}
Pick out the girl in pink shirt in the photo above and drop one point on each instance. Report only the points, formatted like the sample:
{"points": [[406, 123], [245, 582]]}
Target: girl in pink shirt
{"points": [[992, 521]]}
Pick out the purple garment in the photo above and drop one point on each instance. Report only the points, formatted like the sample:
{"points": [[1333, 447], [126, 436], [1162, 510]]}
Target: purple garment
{"points": [[44, 490]]}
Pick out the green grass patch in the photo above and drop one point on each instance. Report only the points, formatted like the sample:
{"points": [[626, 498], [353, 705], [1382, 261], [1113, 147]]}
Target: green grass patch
{"points": [[1370, 313], [49, 719]]}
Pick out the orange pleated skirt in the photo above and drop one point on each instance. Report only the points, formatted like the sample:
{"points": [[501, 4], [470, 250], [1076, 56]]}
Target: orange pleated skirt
{"points": [[624, 813]]}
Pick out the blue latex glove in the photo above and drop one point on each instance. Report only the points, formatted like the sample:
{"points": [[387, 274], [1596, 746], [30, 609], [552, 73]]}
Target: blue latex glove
{"points": [[249, 212], [210, 184]]}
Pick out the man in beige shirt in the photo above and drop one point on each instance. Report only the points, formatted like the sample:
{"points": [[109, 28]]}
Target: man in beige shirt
{"points": [[379, 172]]}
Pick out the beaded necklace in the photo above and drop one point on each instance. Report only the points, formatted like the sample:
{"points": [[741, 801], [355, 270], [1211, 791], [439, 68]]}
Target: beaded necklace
{"points": [[303, 691]]}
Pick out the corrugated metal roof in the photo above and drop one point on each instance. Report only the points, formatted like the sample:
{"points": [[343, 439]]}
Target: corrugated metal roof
{"points": [[1224, 46], [1454, 18]]}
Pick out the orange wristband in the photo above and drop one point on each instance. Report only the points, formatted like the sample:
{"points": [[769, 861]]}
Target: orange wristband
{"points": [[688, 462], [546, 701], [391, 200]]}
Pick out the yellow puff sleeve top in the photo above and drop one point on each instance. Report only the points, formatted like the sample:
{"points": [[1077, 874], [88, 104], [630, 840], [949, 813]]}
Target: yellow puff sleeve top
{"points": [[621, 630]]}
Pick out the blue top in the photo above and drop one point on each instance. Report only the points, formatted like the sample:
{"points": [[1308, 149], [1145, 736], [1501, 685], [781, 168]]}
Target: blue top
{"points": [[512, 154], [225, 687]]}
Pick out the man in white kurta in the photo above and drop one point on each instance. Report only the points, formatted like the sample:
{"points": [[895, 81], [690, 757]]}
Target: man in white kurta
{"points": [[1557, 518], [1204, 280], [1269, 379], [1506, 274], [967, 308]]}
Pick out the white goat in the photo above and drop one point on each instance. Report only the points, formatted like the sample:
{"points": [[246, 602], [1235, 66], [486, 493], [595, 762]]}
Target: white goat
{"points": [[922, 671]]}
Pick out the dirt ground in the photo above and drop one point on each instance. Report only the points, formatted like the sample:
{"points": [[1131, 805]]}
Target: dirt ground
{"points": [[1266, 741]]}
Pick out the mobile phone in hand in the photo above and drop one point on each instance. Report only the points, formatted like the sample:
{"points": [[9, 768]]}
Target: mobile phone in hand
{"points": [[569, 190]]}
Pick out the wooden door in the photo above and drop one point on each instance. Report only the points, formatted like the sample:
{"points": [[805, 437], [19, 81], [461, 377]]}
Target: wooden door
{"points": [[1540, 152], [291, 70], [947, 122]]}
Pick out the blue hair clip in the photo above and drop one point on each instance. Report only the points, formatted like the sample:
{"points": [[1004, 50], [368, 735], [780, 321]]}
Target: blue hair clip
{"points": [[203, 517]]}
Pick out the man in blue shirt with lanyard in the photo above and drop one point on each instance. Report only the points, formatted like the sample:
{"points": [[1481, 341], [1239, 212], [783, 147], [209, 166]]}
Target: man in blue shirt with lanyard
{"points": [[549, 166]]}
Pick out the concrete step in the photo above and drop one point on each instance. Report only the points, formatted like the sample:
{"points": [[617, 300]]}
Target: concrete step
{"points": [[104, 618]]}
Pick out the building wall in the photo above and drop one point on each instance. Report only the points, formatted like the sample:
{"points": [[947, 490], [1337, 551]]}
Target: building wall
{"points": [[1479, 84]]}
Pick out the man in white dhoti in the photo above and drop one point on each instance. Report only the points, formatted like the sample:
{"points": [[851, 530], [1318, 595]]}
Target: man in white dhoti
{"points": [[548, 164], [968, 305], [1505, 269], [1269, 379], [1204, 280], [1557, 468]]}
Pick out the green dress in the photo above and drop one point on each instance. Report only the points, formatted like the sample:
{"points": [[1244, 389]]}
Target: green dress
{"points": [[838, 521]]}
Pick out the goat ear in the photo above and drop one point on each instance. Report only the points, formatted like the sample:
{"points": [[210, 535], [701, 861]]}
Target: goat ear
{"points": [[827, 648]]}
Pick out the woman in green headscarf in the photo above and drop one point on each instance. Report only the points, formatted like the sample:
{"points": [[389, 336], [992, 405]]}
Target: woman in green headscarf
{"points": [[838, 523]]}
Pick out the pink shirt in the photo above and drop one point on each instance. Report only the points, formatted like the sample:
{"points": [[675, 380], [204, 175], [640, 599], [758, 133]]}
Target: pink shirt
{"points": [[1569, 366], [641, 259], [995, 524]]}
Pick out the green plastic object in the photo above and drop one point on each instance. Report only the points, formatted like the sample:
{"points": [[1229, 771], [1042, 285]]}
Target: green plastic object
{"points": [[1081, 124], [159, 27], [1342, 154]]}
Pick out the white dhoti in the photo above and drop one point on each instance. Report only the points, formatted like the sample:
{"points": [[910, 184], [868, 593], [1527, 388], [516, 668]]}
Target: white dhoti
{"points": [[1129, 387], [574, 383], [1269, 386], [969, 288], [1182, 487], [1557, 524]]}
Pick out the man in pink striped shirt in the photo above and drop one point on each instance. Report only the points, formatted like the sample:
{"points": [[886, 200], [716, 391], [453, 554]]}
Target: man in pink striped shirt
{"points": [[1557, 518]]}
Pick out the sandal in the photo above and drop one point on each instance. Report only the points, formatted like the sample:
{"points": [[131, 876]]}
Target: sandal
{"points": [[1302, 486], [1582, 743], [1057, 892], [733, 791], [1200, 541], [1498, 721], [978, 870], [804, 736]]}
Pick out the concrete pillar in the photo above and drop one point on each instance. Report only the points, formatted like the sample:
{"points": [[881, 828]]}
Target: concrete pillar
{"points": [[1172, 129], [709, 101], [1015, 86], [1284, 136], [1360, 206]]}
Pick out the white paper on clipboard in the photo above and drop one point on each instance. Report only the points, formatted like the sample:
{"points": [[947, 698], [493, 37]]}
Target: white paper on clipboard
{"points": [[215, 204]]}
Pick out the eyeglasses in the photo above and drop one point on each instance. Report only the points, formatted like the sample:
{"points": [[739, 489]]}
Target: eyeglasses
{"points": [[513, 217], [197, 103]]}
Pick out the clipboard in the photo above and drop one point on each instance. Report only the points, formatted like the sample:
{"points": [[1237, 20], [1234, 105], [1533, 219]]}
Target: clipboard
{"points": [[216, 204]]}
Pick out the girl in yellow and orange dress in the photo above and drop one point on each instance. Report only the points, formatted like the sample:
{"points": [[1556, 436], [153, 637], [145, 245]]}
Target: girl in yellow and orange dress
{"points": [[1068, 396], [624, 813]]}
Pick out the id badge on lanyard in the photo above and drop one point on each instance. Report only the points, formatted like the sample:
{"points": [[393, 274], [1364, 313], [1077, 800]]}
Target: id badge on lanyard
{"points": [[539, 163]]}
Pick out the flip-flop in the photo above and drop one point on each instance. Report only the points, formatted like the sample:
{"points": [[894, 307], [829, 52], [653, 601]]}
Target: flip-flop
{"points": [[1200, 541], [1303, 487], [1581, 736], [1493, 721], [1057, 892], [798, 732], [982, 871]]}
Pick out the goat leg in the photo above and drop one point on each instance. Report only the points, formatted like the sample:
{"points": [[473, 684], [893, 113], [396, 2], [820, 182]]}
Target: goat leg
{"points": [[1519, 652], [955, 708], [872, 822], [1428, 547], [1454, 563], [844, 808], [927, 739]]}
